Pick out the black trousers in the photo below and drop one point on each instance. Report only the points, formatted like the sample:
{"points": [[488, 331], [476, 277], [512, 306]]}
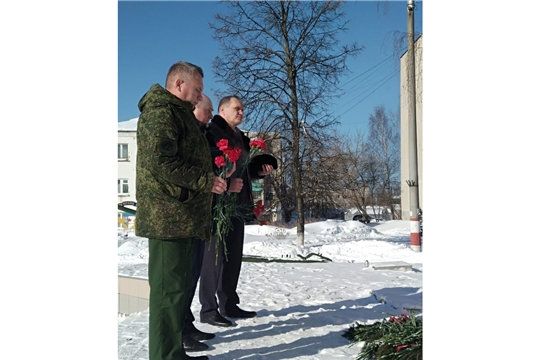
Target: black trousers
{"points": [[198, 253], [221, 279]]}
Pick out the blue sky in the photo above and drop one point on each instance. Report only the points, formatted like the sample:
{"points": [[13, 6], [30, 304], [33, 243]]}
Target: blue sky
{"points": [[154, 35]]}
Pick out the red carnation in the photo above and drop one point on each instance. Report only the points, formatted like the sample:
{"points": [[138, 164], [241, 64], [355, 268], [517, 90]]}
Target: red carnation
{"points": [[227, 152], [219, 161], [222, 144], [232, 154], [237, 152], [258, 143]]}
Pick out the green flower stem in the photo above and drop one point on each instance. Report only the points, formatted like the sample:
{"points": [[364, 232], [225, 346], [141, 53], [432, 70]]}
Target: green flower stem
{"points": [[223, 212]]}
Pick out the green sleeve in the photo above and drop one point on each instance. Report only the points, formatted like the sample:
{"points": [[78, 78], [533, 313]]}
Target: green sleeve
{"points": [[182, 166]]}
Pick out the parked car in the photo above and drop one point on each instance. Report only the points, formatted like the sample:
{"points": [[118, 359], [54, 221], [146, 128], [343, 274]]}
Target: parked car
{"points": [[362, 218]]}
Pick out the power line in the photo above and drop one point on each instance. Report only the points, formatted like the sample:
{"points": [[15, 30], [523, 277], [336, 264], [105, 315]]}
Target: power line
{"points": [[379, 64], [363, 86], [384, 82], [371, 86]]}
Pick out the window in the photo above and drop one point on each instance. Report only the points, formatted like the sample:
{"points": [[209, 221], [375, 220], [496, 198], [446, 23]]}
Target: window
{"points": [[123, 186], [122, 151]]}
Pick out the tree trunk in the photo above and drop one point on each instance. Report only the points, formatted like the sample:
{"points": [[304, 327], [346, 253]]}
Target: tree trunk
{"points": [[297, 179]]}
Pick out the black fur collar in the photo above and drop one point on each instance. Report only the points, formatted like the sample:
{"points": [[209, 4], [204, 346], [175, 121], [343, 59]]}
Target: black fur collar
{"points": [[224, 126], [220, 122]]}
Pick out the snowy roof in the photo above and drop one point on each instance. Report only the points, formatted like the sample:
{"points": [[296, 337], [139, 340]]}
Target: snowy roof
{"points": [[129, 125]]}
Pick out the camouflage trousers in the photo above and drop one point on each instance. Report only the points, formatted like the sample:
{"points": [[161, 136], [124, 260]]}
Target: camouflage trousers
{"points": [[169, 277]]}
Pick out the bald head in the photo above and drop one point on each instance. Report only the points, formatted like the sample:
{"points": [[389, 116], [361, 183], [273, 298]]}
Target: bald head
{"points": [[204, 109]]}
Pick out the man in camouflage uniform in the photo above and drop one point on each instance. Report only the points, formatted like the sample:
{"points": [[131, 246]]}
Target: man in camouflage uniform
{"points": [[175, 181]]}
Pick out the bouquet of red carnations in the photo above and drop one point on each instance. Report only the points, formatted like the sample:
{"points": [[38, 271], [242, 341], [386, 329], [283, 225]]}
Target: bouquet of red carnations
{"points": [[225, 207]]}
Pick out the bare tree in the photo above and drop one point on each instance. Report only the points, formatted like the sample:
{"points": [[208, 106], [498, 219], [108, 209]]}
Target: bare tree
{"points": [[322, 177], [283, 59], [358, 171], [385, 147]]}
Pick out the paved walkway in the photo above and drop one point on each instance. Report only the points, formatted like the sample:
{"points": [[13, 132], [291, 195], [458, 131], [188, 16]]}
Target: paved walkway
{"points": [[133, 337]]}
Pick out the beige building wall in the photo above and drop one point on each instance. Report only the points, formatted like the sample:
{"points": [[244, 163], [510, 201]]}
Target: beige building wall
{"points": [[133, 294], [404, 95]]}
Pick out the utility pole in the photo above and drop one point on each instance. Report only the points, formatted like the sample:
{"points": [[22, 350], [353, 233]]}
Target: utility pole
{"points": [[416, 243]]}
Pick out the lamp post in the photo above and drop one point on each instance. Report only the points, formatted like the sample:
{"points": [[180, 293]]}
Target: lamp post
{"points": [[416, 243]]}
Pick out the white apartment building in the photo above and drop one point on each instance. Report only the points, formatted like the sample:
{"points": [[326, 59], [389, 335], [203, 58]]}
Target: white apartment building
{"points": [[127, 159]]}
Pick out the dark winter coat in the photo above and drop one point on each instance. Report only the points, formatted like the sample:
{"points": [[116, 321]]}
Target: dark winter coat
{"points": [[219, 129], [174, 174]]}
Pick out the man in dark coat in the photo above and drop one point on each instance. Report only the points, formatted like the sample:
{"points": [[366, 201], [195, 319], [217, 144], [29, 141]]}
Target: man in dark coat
{"points": [[191, 336], [222, 280], [174, 181]]}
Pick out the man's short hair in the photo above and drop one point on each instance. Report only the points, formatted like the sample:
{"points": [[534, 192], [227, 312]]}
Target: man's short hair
{"points": [[226, 100], [184, 68]]}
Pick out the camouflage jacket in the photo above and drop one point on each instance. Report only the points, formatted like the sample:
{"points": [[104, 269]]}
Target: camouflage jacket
{"points": [[174, 174]]}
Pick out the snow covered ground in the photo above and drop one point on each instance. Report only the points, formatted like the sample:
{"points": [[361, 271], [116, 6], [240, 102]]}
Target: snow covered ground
{"points": [[303, 308]]}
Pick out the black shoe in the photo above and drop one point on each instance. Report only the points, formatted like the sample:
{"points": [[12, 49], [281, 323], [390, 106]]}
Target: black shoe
{"points": [[217, 320], [236, 312], [198, 335], [191, 344], [186, 357]]}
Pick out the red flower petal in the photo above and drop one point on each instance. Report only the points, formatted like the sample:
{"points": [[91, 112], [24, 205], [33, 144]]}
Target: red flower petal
{"points": [[234, 154], [219, 161], [222, 144]]}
